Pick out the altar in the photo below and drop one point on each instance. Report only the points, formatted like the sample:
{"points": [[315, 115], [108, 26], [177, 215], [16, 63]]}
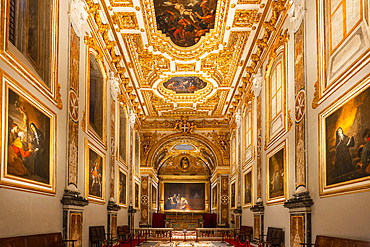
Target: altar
{"points": [[184, 220]]}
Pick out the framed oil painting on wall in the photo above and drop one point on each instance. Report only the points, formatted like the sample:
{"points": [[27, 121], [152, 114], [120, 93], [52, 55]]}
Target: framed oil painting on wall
{"points": [[248, 188], [28, 140], [122, 187], [94, 173], [277, 174], [232, 195], [184, 197], [344, 142], [123, 134], [96, 95], [214, 197], [136, 196]]}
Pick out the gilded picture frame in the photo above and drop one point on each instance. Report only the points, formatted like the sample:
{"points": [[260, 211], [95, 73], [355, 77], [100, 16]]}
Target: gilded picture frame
{"points": [[123, 134], [96, 107], [248, 153], [248, 188], [14, 58], [122, 187], [95, 161], [28, 142], [136, 195], [345, 169], [277, 174], [233, 195], [214, 197]]}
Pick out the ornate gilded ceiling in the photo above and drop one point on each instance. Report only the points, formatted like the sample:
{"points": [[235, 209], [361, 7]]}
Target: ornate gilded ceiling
{"points": [[210, 50]]}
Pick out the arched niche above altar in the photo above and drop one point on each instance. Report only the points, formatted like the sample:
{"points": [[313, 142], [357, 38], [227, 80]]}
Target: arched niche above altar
{"points": [[184, 164]]}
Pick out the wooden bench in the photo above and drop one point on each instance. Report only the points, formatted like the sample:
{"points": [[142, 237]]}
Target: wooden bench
{"points": [[39, 240], [123, 232], [325, 241], [245, 233], [96, 235], [274, 237]]}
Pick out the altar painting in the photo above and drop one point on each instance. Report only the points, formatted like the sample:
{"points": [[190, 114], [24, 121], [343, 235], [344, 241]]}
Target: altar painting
{"points": [[184, 196]]}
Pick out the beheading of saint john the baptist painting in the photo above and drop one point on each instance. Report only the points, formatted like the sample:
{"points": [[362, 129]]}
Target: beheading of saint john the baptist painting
{"points": [[185, 84], [95, 173], [185, 21], [345, 143], [29, 140], [184, 196], [277, 174], [122, 188]]}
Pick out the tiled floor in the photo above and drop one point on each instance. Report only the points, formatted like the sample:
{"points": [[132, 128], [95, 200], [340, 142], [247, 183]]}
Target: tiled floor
{"points": [[185, 244]]}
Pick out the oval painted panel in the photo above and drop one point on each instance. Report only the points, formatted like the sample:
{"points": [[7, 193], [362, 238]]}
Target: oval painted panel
{"points": [[185, 84], [185, 21]]}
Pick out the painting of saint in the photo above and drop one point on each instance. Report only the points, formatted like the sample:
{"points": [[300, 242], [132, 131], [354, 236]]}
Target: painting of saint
{"points": [[184, 163], [122, 134], [136, 195], [122, 188], [276, 174], [95, 175], [185, 22], [185, 84], [347, 132], [248, 188], [232, 196], [28, 140], [184, 196]]}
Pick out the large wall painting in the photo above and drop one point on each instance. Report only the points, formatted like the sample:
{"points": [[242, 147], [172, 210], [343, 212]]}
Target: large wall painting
{"points": [[185, 84], [184, 196], [122, 139], [95, 173], [122, 188], [232, 195], [277, 174], [136, 196], [248, 188], [28, 140], [185, 22], [345, 146]]}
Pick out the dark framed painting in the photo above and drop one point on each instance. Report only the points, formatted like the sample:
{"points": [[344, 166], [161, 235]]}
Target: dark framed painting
{"points": [[154, 197], [28, 140], [123, 133], [122, 187], [184, 197], [137, 153], [214, 197], [277, 174], [96, 94], [232, 195], [94, 173], [248, 188], [185, 22], [137, 194], [344, 143]]}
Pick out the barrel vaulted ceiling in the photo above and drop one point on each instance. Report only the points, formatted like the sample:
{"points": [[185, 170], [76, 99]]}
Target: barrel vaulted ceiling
{"points": [[185, 58]]}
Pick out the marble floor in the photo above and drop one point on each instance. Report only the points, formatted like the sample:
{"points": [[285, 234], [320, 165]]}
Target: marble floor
{"points": [[184, 244]]}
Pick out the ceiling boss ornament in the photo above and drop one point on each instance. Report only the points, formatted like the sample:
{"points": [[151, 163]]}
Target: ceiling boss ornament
{"points": [[184, 126]]}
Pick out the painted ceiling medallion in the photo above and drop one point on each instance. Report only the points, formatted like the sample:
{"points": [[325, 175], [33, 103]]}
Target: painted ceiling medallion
{"points": [[185, 21], [185, 84]]}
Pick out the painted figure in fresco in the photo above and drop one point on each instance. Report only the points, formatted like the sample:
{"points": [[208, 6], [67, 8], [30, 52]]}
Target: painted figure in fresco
{"points": [[184, 204], [13, 133], [343, 160], [365, 156]]}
